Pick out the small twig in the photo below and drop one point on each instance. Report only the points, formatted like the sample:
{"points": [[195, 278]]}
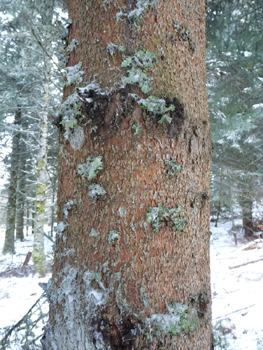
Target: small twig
{"points": [[230, 313], [47, 236], [4, 340], [246, 263]]}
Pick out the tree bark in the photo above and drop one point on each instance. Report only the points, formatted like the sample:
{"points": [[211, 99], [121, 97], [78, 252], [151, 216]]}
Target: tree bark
{"points": [[117, 277]]}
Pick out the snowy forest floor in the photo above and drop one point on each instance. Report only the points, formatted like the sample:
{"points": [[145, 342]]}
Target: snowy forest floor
{"points": [[237, 284], [236, 280]]}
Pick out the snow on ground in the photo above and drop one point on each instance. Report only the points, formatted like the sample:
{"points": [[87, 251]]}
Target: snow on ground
{"points": [[237, 308], [236, 290], [18, 294]]}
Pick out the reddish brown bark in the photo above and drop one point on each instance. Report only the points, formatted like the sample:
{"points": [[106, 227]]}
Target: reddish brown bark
{"points": [[143, 271]]}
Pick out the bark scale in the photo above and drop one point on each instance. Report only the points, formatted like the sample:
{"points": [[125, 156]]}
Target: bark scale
{"points": [[113, 274]]}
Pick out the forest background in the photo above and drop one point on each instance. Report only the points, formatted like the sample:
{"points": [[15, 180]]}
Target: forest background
{"points": [[34, 51]]}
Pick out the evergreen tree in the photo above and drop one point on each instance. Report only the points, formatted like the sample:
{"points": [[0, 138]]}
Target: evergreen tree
{"points": [[234, 62], [29, 44]]}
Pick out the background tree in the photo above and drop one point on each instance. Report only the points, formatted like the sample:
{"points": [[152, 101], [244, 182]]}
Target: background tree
{"points": [[234, 64], [131, 264], [30, 50]]}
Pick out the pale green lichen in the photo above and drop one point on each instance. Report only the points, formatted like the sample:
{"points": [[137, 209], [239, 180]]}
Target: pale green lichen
{"points": [[96, 192], [143, 298], [142, 6], [72, 46], [112, 236], [176, 321], [113, 48], [74, 75], [90, 169], [137, 129], [94, 233], [70, 110], [157, 215], [107, 2], [173, 168], [157, 106], [94, 129], [40, 165], [135, 15], [139, 63]]}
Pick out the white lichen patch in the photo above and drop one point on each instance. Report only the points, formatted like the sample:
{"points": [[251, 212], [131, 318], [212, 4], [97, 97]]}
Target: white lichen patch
{"points": [[157, 215], [138, 65], [143, 298], [72, 46], [94, 87], [174, 322], [107, 2], [59, 229], [135, 15], [74, 74], [70, 110], [137, 129], [96, 296], [173, 168], [112, 236], [157, 106], [122, 212], [67, 207], [113, 48], [76, 138], [96, 192], [142, 6], [91, 168], [94, 233]]}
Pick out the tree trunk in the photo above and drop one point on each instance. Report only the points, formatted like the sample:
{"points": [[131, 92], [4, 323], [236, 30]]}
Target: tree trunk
{"points": [[27, 217], [9, 246], [33, 220], [127, 262], [247, 213], [41, 183], [54, 189], [20, 202]]}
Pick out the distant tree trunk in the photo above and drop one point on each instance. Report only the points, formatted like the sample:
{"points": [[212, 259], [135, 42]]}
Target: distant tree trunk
{"points": [[9, 246], [41, 182], [27, 218], [218, 211], [121, 277], [247, 221], [21, 191], [33, 220], [52, 207], [247, 213]]}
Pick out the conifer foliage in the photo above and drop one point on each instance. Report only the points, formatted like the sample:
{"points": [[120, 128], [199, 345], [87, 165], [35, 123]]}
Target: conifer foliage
{"points": [[30, 89], [234, 72]]}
